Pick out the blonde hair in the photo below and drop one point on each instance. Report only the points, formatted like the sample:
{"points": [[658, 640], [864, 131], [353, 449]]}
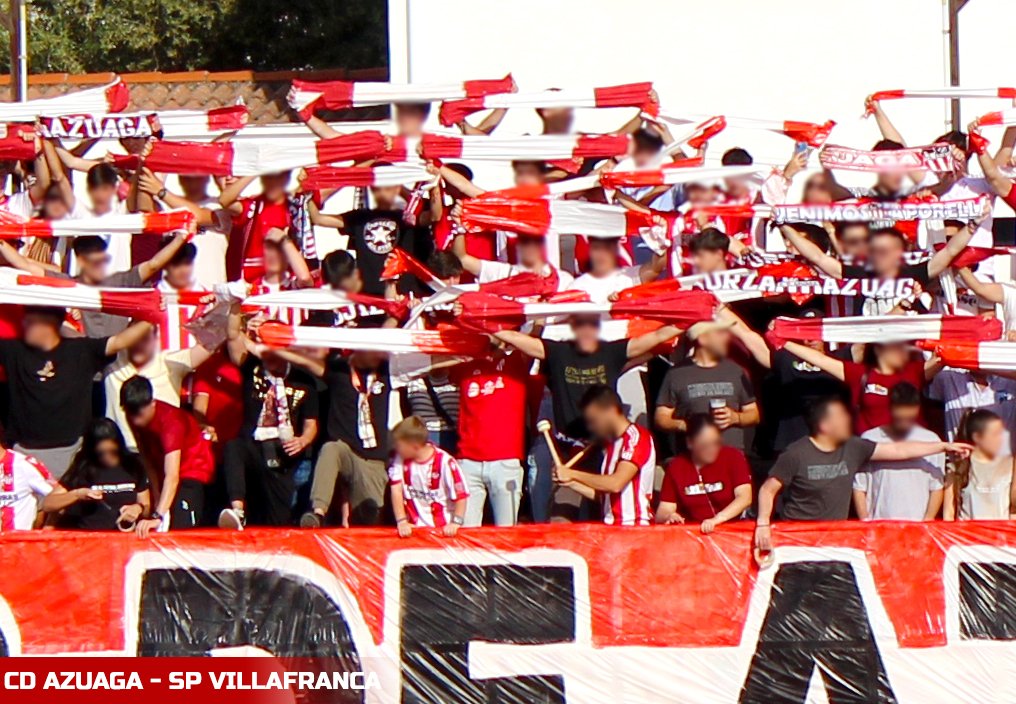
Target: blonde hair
{"points": [[411, 429]]}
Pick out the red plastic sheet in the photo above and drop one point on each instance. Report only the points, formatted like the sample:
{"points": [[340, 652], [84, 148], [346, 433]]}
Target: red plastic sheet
{"points": [[867, 611]]}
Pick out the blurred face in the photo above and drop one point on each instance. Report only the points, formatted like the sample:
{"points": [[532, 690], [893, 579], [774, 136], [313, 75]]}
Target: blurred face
{"points": [[644, 157], [143, 417], [93, 265], [367, 359], [708, 261], [275, 364], [587, 332], [108, 453], [890, 183], [698, 194], [384, 196], [557, 120], [601, 420], [990, 440], [275, 260], [273, 186], [737, 187], [715, 342], [854, 241], [903, 419], [816, 190], [528, 174], [194, 187], [144, 350], [602, 256], [408, 450], [885, 252], [530, 251], [705, 447], [837, 423], [102, 197], [409, 120], [180, 275], [40, 330], [894, 356], [54, 209]]}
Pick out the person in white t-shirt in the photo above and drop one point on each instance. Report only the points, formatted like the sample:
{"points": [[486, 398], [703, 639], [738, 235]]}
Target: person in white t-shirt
{"points": [[909, 490], [606, 277], [531, 255]]}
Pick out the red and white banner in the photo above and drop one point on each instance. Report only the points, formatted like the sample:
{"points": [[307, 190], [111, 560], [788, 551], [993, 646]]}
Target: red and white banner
{"points": [[112, 97], [678, 172], [14, 227], [308, 97], [19, 288], [176, 124], [935, 157], [629, 95], [888, 328], [982, 356], [252, 158], [394, 340], [322, 177], [17, 142], [545, 190], [535, 148], [849, 611], [565, 217], [812, 133], [947, 93], [963, 210]]}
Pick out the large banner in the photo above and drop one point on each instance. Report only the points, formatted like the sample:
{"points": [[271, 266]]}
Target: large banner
{"points": [[850, 612]]}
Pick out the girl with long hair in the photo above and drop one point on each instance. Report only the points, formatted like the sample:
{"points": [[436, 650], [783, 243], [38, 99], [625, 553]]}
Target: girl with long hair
{"points": [[981, 486]]}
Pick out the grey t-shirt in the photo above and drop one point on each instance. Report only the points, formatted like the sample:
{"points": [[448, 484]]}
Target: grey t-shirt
{"points": [[99, 324], [688, 389], [817, 485]]}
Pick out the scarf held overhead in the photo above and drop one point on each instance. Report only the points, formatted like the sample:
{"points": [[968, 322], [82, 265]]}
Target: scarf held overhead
{"points": [[18, 288], [175, 124], [534, 148], [935, 157], [14, 227], [540, 217], [112, 97], [963, 210], [888, 328], [394, 340]]}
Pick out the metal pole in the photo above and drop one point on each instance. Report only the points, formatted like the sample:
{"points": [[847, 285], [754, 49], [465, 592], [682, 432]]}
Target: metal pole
{"points": [[19, 50], [954, 58]]}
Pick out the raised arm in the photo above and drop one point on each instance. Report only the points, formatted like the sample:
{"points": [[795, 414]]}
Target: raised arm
{"points": [[638, 346], [829, 264], [956, 244], [988, 291], [914, 449], [152, 185], [129, 337], [158, 262], [232, 189], [526, 344], [13, 257], [456, 180], [999, 182], [830, 365], [323, 220], [297, 264], [755, 343]]}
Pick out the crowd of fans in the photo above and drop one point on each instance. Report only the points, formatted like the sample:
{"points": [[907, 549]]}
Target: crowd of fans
{"points": [[118, 424]]}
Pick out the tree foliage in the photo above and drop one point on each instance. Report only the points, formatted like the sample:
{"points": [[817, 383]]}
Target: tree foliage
{"points": [[83, 36]]}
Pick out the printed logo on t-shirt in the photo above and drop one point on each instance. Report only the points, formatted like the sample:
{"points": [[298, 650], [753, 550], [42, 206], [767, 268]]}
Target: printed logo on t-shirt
{"points": [[701, 489], [488, 388], [822, 472], [713, 389], [1004, 397], [805, 367], [48, 371], [585, 376], [876, 390], [377, 388], [8, 498], [379, 235]]}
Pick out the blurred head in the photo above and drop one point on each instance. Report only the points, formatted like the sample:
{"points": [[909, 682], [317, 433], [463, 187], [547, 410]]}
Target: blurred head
{"points": [[275, 263], [384, 197], [410, 437], [179, 272], [830, 419], [144, 350], [92, 258], [892, 355], [530, 251], [960, 143], [885, 252], [810, 314], [647, 144], [103, 444], [446, 266], [273, 186], [138, 401], [556, 120], [603, 412], [340, 272], [816, 234], [699, 193], [737, 187], [195, 188], [602, 256], [586, 329], [709, 251], [983, 429], [41, 326], [904, 409], [711, 336], [462, 170], [816, 189], [529, 173], [367, 360], [102, 181], [53, 205], [410, 118], [890, 183], [704, 439], [853, 238], [274, 364]]}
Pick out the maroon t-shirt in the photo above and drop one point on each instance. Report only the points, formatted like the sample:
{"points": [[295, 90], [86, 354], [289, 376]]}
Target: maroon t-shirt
{"points": [[869, 391], [174, 429], [704, 493]]}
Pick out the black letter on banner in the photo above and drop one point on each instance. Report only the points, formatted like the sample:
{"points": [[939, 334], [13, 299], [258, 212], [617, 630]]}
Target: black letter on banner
{"points": [[188, 612], [446, 606], [816, 619], [4, 650], [987, 601]]}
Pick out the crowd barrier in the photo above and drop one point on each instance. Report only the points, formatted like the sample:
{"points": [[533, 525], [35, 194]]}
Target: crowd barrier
{"points": [[865, 612]]}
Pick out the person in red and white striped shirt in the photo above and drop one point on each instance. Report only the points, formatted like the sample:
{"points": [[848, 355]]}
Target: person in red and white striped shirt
{"points": [[625, 482], [285, 269], [426, 482], [177, 278]]}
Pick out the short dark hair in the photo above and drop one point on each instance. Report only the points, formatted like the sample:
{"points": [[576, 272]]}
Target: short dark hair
{"points": [[647, 140], [101, 174], [89, 244], [816, 234], [841, 226], [709, 240], [135, 394], [444, 264], [889, 232], [697, 423], [54, 313], [601, 395], [540, 165], [185, 255], [422, 108], [955, 138], [337, 266], [817, 412], [887, 145], [904, 394], [736, 157], [461, 170]]}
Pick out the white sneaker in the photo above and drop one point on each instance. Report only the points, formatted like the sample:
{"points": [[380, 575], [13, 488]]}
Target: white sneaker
{"points": [[232, 519]]}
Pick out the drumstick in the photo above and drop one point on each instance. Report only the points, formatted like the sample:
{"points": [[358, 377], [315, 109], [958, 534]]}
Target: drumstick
{"points": [[544, 427], [579, 455]]}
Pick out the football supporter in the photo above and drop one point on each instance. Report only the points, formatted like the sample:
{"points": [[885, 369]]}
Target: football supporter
{"points": [[709, 483], [178, 458], [625, 481], [252, 218], [981, 486], [426, 483], [24, 482]]}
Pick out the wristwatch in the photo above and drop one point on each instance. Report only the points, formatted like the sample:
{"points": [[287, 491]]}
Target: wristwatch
{"points": [[161, 195], [458, 520], [156, 516]]}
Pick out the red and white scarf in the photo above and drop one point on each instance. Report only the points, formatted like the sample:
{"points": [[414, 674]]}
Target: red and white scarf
{"points": [[322, 177], [112, 97], [814, 134], [15, 227], [254, 158], [532, 148], [888, 328], [629, 95], [18, 288], [981, 356], [308, 97], [947, 93], [858, 211], [934, 157], [675, 173], [176, 124], [540, 217], [998, 117], [17, 142], [394, 340]]}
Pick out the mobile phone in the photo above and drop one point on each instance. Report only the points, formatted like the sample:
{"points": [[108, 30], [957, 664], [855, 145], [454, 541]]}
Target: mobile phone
{"points": [[802, 148]]}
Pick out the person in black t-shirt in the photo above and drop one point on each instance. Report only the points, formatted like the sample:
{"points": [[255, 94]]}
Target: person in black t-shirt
{"points": [[106, 485], [338, 269], [50, 379]]}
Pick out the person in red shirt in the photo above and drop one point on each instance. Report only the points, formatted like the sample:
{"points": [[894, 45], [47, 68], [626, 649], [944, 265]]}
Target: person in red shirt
{"points": [[709, 484], [170, 439], [217, 401], [252, 219], [870, 381], [492, 433]]}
